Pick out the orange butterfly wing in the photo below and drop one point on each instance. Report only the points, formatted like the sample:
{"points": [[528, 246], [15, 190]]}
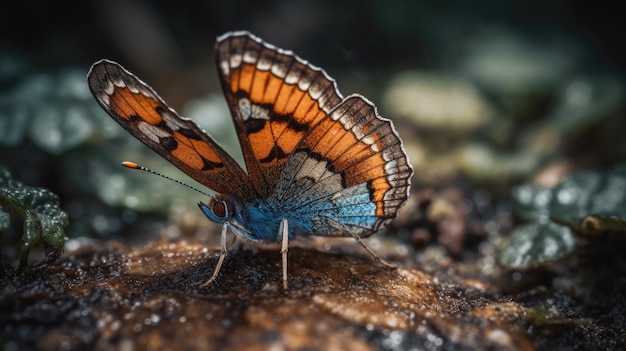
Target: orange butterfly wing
{"points": [[365, 150], [139, 110], [275, 98]]}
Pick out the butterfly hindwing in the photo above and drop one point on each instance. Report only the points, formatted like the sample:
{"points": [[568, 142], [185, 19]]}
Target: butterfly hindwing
{"points": [[275, 97], [139, 110], [350, 173]]}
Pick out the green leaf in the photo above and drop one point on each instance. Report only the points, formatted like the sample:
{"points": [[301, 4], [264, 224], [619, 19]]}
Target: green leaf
{"points": [[601, 196], [39, 208], [537, 243], [531, 202], [583, 204]]}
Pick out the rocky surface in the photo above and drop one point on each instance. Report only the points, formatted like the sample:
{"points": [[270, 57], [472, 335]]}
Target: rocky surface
{"points": [[109, 296]]}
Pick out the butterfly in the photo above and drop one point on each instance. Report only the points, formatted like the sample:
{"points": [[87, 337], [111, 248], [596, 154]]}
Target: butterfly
{"points": [[316, 163]]}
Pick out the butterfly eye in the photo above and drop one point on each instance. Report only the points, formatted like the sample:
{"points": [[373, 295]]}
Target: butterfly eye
{"points": [[219, 208]]}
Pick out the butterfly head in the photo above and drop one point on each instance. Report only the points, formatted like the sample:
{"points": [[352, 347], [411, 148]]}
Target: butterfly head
{"points": [[220, 208]]}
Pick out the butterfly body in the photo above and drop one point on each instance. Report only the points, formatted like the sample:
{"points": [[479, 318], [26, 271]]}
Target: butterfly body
{"points": [[256, 222], [316, 163], [308, 215]]}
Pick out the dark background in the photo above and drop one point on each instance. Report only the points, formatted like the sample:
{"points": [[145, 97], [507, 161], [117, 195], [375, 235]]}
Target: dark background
{"points": [[163, 38]]}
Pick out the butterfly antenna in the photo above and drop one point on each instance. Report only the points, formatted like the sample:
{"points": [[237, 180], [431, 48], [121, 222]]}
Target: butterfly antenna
{"points": [[133, 165]]}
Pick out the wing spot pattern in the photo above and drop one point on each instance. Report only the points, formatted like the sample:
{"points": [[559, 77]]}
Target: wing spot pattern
{"points": [[152, 132]]}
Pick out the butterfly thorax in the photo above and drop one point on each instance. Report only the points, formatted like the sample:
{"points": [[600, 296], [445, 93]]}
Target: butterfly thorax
{"points": [[258, 221], [263, 221]]}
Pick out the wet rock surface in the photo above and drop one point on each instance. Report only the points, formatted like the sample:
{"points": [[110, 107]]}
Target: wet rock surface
{"points": [[113, 297]]}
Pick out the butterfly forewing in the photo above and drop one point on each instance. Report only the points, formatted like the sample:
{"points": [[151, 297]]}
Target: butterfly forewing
{"points": [[139, 110], [275, 97]]}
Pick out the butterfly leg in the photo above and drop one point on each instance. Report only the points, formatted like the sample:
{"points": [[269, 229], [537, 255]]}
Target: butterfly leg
{"points": [[283, 231], [380, 260], [223, 254]]}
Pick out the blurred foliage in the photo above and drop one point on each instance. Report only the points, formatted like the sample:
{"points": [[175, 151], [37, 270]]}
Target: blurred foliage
{"points": [[583, 205], [39, 209], [508, 108], [54, 111]]}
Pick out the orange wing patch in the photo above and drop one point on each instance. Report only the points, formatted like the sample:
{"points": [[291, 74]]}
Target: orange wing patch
{"points": [[275, 97], [363, 148], [127, 105], [139, 110]]}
